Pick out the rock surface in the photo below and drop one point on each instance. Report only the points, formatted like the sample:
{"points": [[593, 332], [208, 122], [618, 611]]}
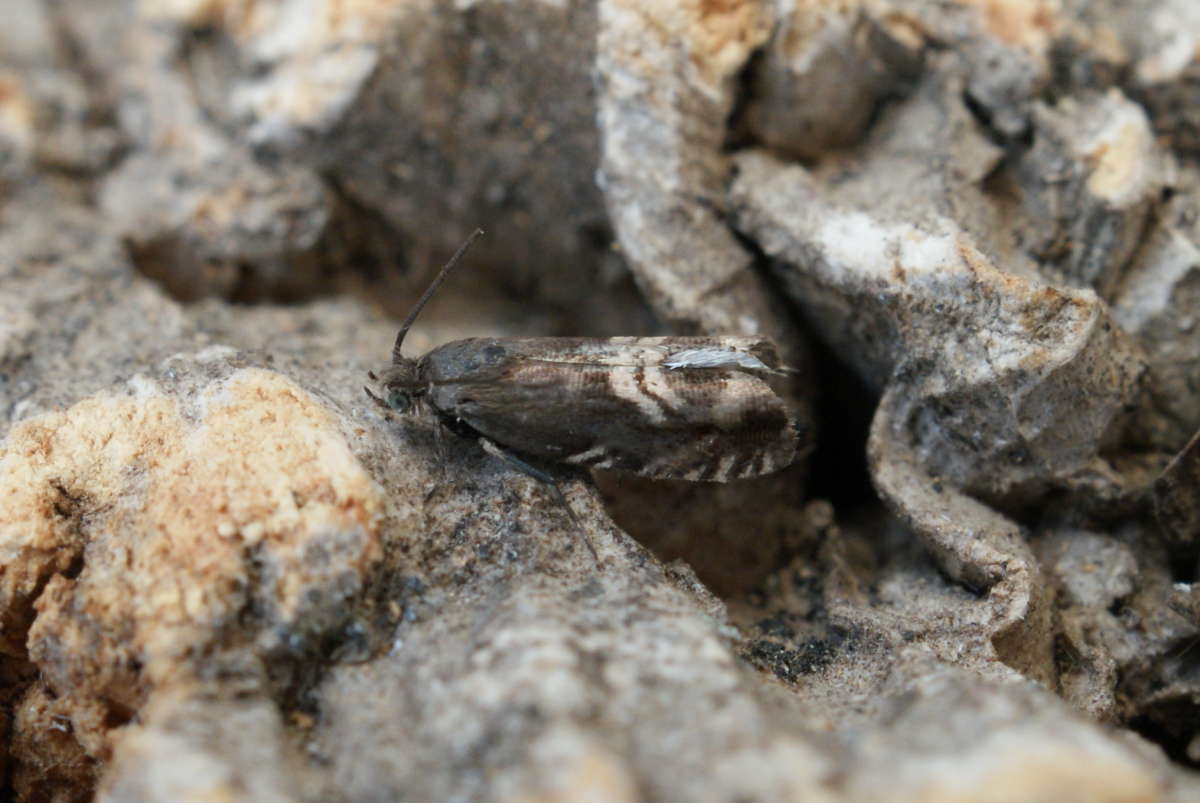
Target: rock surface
{"points": [[226, 575]]}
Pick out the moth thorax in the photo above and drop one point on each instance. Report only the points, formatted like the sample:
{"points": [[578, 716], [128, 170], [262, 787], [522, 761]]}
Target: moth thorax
{"points": [[400, 375]]}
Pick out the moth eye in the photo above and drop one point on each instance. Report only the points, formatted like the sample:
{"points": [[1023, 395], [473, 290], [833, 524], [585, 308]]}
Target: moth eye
{"points": [[399, 401]]}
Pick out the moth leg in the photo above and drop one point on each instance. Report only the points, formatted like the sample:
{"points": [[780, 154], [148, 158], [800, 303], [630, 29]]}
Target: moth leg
{"points": [[541, 476], [439, 446]]}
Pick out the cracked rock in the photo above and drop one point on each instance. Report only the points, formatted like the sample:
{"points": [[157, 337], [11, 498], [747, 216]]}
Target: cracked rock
{"points": [[226, 574]]}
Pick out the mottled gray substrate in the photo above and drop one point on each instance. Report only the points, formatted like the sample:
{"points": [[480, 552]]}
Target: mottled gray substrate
{"points": [[225, 575]]}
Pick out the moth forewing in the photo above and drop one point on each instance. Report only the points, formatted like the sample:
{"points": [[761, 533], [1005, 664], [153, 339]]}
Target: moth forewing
{"points": [[631, 404]]}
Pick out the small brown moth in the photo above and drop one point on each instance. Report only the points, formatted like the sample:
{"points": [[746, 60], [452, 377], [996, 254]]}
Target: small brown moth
{"points": [[691, 408]]}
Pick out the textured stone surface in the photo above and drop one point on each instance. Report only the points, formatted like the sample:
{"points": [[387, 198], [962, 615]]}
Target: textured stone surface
{"points": [[824, 72], [986, 407], [225, 575], [1156, 303]]}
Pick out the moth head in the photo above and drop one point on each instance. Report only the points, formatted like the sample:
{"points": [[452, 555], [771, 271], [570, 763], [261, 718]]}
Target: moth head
{"points": [[399, 388], [399, 384]]}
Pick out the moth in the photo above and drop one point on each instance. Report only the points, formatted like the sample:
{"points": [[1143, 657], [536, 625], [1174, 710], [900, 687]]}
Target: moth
{"points": [[690, 408]]}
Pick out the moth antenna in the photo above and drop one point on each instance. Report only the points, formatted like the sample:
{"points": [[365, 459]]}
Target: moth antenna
{"points": [[437, 282]]}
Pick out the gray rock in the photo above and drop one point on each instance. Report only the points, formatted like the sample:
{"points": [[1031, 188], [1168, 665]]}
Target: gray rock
{"points": [[824, 72], [1156, 303], [1089, 185], [225, 574]]}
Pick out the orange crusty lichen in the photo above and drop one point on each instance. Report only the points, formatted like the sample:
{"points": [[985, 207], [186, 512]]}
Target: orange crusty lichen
{"points": [[133, 537]]}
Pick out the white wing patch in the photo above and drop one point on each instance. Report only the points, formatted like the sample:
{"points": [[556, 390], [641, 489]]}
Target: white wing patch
{"points": [[714, 357], [624, 385], [661, 390], [589, 455]]}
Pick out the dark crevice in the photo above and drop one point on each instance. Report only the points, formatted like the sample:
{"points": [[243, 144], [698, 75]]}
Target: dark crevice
{"points": [[844, 406], [983, 116], [1174, 734], [19, 618], [844, 410], [117, 715], [16, 676], [738, 131], [1183, 562], [1011, 143]]}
